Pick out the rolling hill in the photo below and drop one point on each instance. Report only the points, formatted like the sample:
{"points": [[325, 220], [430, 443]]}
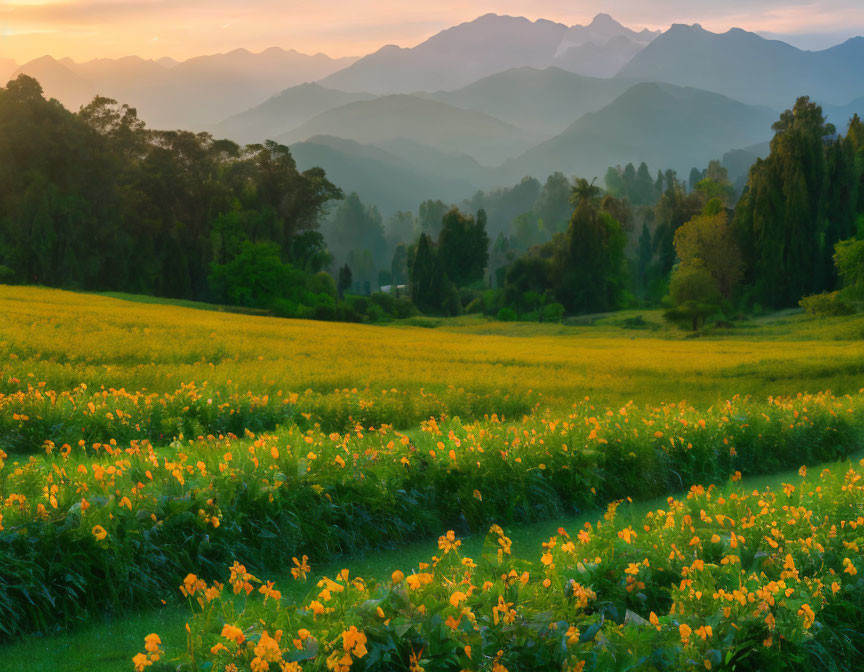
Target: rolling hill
{"points": [[664, 125], [379, 177], [442, 127], [284, 112], [749, 68], [541, 101]]}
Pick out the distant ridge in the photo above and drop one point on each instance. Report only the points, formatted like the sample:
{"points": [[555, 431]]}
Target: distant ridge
{"points": [[749, 68], [661, 124], [284, 112], [194, 94], [490, 44], [427, 122]]}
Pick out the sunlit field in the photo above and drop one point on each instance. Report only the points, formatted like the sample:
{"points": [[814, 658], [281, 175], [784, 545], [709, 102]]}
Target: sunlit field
{"points": [[143, 443], [215, 365]]}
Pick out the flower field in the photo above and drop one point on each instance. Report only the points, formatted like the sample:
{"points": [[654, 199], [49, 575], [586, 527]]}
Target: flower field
{"points": [[724, 579], [136, 518], [141, 444], [69, 362]]}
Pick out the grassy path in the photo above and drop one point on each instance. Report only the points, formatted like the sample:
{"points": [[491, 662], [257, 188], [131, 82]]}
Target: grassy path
{"points": [[108, 645]]}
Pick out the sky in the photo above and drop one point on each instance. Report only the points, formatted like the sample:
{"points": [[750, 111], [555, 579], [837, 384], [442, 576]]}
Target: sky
{"points": [[84, 29]]}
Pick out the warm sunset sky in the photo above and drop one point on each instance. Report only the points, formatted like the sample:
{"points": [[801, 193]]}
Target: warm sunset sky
{"points": [[85, 29]]}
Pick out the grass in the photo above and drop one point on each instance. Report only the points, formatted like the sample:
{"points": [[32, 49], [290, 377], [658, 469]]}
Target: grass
{"points": [[108, 645], [65, 339]]}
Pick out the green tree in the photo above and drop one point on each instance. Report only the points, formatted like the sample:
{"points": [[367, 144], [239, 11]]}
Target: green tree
{"points": [[463, 247], [430, 216], [589, 268], [427, 283], [344, 282], [256, 277], [849, 261], [780, 219], [693, 294], [708, 241]]}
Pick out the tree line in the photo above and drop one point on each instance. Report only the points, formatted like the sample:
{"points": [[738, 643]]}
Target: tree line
{"points": [[94, 200]]}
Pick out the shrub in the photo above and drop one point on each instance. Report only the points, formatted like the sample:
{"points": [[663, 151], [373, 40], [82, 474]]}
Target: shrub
{"points": [[553, 312], [827, 304], [322, 283], [394, 306], [7, 275], [507, 314]]}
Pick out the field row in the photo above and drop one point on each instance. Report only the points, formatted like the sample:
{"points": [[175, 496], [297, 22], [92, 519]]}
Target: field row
{"points": [[99, 526], [62, 340], [32, 418], [727, 579]]}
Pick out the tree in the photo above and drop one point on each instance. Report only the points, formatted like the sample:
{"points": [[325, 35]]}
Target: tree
{"points": [[96, 200], [344, 281], [849, 261], [463, 247], [780, 219], [426, 281], [364, 271], [356, 226], [256, 277], [693, 294], [675, 207], [552, 207], [708, 240], [399, 265], [716, 185], [588, 269], [430, 215], [585, 192]]}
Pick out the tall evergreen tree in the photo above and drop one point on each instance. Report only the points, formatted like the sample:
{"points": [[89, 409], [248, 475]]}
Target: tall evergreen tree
{"points": [[780, 220], [463, 247], [426, 280]]}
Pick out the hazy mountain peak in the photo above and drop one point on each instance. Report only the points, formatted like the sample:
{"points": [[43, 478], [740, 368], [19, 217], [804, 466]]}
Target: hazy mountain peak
{"points": [[604, 20], [747, 67], [489, 44]]}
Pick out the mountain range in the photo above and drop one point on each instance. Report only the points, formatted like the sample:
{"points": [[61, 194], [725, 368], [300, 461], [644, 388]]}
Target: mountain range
{"points": [[193, 94], [750, 68], [664, 125], [470, 51], [485, 103], [438, 125]]}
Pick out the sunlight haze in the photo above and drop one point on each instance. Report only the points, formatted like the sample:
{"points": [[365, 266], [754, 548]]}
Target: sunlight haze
{"points": [[86, 29]]}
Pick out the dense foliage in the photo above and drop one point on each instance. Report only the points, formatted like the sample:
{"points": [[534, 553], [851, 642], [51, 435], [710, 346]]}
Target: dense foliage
{"points": [[135, 517], [94, 200], [722, 579]]}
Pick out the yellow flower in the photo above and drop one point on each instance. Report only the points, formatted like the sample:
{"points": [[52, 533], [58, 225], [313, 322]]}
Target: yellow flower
{"points": [[233, 634], [807, 615], [457, 598], [141, 661], [99, 532], [354, 641], [397, 576], [152, 642]]}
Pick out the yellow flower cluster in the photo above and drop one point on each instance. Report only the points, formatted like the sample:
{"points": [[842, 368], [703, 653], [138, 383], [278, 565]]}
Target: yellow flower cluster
{"points": [[720, 572]]}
